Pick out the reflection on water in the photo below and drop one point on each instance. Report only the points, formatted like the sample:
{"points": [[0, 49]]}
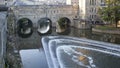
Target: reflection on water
{"points": [[66, 32], [44, 29], [44, 26], [88, 57], [94, 35]]}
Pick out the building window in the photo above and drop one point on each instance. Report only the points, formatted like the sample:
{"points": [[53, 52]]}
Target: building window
{"points": [[91, 9], [90, 16], [48, 11], [90, 2], [95, 2], [95, 10], [95, 16], [57, 11], [101, 1]]}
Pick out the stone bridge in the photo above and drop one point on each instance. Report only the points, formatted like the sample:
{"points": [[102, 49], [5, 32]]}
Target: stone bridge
{"points": [[53, 12]]}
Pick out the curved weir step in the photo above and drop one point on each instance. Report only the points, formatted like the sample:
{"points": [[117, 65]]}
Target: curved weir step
{"points": [[71, 52]]}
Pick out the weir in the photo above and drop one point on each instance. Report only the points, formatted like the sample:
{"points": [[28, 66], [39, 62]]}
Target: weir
{"points": [[71, 52]]}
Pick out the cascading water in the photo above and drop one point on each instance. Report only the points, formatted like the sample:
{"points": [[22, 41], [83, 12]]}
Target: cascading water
{"points": [[71, 52]]}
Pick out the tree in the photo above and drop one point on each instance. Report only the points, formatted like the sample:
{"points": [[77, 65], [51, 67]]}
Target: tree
{"points": [[111, 13]]}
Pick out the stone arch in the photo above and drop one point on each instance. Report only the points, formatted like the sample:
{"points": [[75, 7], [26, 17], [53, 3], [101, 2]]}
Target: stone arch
{"points": [[44, 26], [65, 20], [24, 27], [63, 26]]}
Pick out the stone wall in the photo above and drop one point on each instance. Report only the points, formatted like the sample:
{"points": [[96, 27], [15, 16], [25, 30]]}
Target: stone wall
{"points": [[3, 40]]}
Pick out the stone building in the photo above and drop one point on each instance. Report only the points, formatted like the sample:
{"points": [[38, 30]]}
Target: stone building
{"points": [[72, 2], [87, 12], [89, 9], [3, 2]]}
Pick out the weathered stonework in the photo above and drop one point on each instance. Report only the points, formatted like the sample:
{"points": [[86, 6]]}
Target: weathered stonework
{"points": [[53, 12]]}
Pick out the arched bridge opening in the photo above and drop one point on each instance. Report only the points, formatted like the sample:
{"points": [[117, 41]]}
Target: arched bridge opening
{"points": [[24, 27], [64, 25], [44, 26]]}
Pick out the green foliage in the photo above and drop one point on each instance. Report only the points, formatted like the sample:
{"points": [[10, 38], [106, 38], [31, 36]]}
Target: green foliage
{"points": [[110, 13]]}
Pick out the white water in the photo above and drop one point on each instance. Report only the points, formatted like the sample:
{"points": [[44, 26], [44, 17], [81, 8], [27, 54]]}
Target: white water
{"points": [[53, 43], [75, 55]]}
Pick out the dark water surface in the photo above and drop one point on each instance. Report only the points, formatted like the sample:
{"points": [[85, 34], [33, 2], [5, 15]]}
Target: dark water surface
{"points": [[89, 34], [112, 38]]}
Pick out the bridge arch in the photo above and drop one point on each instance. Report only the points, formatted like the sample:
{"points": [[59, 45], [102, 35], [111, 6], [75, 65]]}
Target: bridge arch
{"points": [[24, 27], [44, 26], [64, 22], [63, 25]]}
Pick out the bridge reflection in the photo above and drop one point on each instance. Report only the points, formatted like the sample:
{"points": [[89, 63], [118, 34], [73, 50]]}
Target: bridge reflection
{"points": [[44, 26]]}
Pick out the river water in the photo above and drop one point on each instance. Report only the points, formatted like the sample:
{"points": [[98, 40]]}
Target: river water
{"points": [[111, 38], [70, 52], [28, 50]]}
